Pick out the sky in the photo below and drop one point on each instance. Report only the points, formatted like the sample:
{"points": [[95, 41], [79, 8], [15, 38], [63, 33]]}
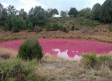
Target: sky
{"points": [[58, 4]]}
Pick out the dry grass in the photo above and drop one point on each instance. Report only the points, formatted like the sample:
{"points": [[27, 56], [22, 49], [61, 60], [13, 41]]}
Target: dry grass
{"points": [[7, 53], [99, 36]]}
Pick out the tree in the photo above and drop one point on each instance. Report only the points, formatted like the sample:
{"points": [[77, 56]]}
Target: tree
{"points": [[6, 27], [37, 16], [21, 23], [95, 11], [86, 12], [11, 20], [73, 11], [63, 14], [106, 12], [30, 26], [11, 9], [15, 29], [22, 13], [54, 12], [1, 8]]}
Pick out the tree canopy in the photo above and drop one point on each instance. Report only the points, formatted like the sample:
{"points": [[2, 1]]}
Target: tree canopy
{"points": [[95, 11], [106, 12], [73, 11]]}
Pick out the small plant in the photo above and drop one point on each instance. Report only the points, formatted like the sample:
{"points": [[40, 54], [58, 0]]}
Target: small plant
{"points": [[65, 29], [90, 59], [72, 27], [76, 28], [60, 27], [29, 30], [30, 49]]}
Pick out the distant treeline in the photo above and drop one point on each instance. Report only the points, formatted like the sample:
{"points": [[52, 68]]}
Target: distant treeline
{"points": [[14, 20]]}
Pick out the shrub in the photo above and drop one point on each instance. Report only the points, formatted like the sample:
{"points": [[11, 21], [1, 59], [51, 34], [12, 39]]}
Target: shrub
{"points": [[17, 70], [72, 27], [65, 29], [90, 59], [6, 27], [55, 27], [30, 26], [103, 58], [110, 28], [30, 49], [60, 27], [76, 28], [15, 29]]}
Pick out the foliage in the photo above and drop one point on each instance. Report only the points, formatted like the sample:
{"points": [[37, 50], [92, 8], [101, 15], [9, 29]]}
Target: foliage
{"points": [[106, 11], [17, 70], [11, 10], [37, 16], [3, 14], [21, 23], [48, 27], [95, 11], [76, 28], [65, 29], [90, 59], [110, 28], [72, 27], [30, 26], [11, 20], [103, 58], [73, 11], [15, 29], [53, 12], [86, 12], [6, 27], [23, 13], [55, 27], [87, 22], [63, 14], [30, 49]]}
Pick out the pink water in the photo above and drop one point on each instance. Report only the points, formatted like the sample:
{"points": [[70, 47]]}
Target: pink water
{"points": [[71, 47]]}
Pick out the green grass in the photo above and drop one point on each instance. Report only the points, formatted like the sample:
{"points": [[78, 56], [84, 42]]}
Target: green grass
{"points": [[16, 69], [86, 22]]}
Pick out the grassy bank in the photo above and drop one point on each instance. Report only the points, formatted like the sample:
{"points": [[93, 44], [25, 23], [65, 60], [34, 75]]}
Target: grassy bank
{"points": [[99, 36]]}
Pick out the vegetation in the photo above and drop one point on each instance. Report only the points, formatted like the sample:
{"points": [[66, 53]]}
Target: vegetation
{"points": [[30, 49], [17, 70], [73, 11]]}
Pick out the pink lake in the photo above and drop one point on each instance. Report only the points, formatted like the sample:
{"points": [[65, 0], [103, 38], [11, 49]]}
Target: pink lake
{"points": [[66, 48]]}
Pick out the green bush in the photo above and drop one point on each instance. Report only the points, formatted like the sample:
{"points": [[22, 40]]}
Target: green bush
{"points": [[76, 28], [103, 58], [60, 27], [15, 29], [72, 27], [110, 28], [6, 27], [90, 59], [18, 70], [65, 29], [30, 49], [55, 27]]}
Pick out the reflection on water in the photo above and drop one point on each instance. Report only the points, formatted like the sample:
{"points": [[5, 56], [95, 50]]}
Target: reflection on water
{"points": [[65, 55]]}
